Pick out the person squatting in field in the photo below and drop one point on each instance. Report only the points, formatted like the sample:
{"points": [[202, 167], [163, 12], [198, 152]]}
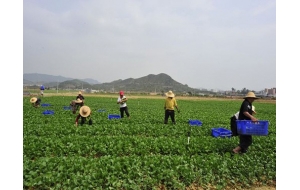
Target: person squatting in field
{"points": [[36, 102], [123, 106], [246, 113], [170, 105], [84, 114], [75, 105]]}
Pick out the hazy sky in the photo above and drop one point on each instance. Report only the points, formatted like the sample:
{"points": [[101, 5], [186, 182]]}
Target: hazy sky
{"points": [[213, 44]]}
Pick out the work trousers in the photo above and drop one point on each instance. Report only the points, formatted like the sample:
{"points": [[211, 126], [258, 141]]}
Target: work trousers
{"points": [[169, 113], [245, 142], [122, 110]]}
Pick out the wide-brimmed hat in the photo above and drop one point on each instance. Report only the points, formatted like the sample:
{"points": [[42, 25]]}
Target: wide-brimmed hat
{"points": [[250, 95], [33, 100], [84, 111], [121, 92], [80, 92], [170, 94], [78, 101], [253, 109]]}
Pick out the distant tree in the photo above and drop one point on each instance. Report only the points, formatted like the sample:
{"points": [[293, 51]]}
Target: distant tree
{"points": [[190, 93], [232, 90], [244, 91]]}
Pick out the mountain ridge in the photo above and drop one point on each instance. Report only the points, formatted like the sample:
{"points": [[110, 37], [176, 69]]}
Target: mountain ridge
{"points": [[37, 78], [150, 83]]}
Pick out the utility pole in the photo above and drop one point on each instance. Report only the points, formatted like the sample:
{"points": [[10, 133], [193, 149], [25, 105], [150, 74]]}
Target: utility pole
{"points": [[57, 87]]}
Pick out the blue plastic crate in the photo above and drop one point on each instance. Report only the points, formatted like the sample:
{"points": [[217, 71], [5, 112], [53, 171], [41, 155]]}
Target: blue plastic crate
{"points": [[221, 132], [48, 112], [114, 116], [195, 123], [248, 127], [45, 105], [67, 108]]}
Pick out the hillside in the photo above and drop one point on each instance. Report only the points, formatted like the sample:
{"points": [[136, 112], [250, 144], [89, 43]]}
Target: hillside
{"points": [[38, 79], [150, 83]]}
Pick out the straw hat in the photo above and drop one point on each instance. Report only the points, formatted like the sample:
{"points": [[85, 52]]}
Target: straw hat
{"points": [[80, 92], [253, 109], [33, 100], [78, 101], [250, 95], [84, 111], [170, 94]]}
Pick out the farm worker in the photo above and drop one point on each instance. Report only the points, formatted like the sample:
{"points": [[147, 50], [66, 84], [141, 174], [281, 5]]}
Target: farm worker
{"points": [[246, 113], [35, 102], [42, 88], [75, 104], [84, 114], [123, 106], [170, 104], [233, 119], [80, 96]]}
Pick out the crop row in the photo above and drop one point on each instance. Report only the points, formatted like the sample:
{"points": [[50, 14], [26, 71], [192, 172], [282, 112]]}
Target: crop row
{"points": [[142, 152]]}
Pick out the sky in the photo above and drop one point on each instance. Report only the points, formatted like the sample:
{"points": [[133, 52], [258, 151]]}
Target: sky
{"points": [[208, 44]]}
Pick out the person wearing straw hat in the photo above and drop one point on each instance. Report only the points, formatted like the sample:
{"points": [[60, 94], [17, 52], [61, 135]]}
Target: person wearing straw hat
{"points": [[80, 96], [123, 105], [233, 119], [246, 113], [35, 102], [170, 105], [76, 104], [84, 114]]}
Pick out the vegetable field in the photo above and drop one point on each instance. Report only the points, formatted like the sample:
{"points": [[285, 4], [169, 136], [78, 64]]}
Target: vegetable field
{"points": [[142, 152]]}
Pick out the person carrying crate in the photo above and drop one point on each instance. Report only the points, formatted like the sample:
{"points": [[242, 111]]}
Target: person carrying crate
{"points": [[233, 124], [245, 113], [122, 99]]}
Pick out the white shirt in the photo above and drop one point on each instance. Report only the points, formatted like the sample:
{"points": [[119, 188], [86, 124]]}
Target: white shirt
{"points": [[124, 104], [237, 115]]}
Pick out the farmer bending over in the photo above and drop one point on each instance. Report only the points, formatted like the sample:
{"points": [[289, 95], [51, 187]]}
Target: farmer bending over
{"points": [[84, 114]]}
